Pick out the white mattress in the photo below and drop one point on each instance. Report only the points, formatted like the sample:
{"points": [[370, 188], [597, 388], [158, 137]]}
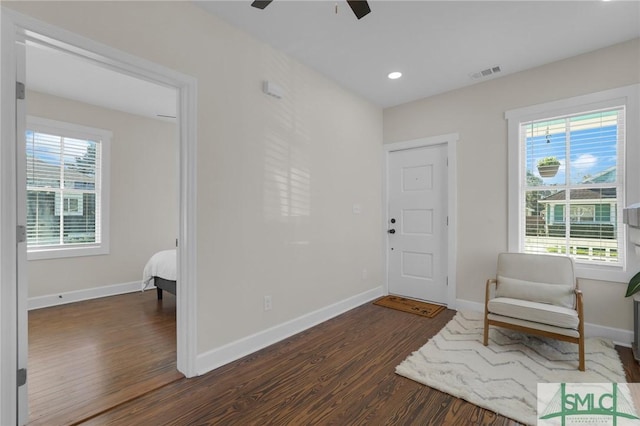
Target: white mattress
{"points": [[161, 264]]}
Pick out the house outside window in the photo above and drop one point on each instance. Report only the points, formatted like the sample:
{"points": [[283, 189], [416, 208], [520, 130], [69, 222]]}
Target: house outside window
{"points": [[568, 180], [67, 189], [71, 204]]}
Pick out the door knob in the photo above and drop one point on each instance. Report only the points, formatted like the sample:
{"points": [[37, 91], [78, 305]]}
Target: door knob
{"points": [[391, 231]]}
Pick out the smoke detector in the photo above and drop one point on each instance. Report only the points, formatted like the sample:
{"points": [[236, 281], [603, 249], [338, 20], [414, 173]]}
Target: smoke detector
{"points": [[485, 73]]}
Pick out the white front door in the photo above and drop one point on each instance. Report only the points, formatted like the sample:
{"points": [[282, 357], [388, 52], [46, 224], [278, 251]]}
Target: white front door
{"points": [[417, 227]]}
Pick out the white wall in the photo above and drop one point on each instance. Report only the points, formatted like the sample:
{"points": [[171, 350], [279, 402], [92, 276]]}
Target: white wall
{"points": [[143, 204], [477, 114], [277, 179]]}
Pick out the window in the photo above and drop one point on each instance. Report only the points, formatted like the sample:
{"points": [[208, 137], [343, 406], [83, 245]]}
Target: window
{"points": [[574, 164], [569, 180], [67, 191]]}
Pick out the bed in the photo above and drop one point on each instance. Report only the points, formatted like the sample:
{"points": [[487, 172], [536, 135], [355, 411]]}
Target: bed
{"points": [[161, 272]]}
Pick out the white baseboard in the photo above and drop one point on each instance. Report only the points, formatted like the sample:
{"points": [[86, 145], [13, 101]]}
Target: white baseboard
{"points": [[468, 305], [79, 295], [235, 350], [619, 336]]}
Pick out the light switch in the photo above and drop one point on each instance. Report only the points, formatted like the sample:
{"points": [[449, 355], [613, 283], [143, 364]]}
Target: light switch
{"points": [[357, 209]]}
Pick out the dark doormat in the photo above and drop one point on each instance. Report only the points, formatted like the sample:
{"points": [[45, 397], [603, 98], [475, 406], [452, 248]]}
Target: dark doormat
{"points": [[424, 309]]}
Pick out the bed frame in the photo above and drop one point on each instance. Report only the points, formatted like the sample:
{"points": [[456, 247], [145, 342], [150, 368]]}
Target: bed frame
{"points": [[166, 285]]}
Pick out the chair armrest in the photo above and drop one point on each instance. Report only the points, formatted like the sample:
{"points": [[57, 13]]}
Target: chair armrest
{"points": [[580, 312], [487, 295], [578, 300]]}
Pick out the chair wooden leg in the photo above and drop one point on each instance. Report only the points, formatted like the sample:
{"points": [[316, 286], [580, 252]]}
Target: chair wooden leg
{"points": [[579, 308], [487, 294], [486, 330]]}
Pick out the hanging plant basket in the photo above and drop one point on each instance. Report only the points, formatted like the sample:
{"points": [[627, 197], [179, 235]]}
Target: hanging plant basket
{"points": [[548, 171], [548, 167]]}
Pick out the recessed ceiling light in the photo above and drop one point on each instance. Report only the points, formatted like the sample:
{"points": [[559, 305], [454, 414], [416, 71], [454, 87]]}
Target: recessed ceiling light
{"points": [[394, 75]]}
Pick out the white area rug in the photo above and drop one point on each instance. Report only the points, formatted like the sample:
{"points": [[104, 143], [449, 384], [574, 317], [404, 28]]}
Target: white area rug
{"points": [[503, 376]]}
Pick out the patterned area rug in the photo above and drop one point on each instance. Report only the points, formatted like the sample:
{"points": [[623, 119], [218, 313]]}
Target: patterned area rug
{"points": [[503, 376], [424, 309]]}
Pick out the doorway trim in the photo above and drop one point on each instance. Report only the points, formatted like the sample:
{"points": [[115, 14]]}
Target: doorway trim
{"points": [[450, 140], [15, 26]]}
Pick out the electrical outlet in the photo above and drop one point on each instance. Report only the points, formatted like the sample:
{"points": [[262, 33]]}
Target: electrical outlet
{"points": [[267, 303]]}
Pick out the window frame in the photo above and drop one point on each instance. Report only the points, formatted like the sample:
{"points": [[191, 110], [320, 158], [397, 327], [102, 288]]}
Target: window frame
{"points": [[629, 97], [103, 137]]}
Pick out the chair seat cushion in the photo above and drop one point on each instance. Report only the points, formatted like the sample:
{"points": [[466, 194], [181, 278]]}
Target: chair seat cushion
{"points": [[543, 313]]}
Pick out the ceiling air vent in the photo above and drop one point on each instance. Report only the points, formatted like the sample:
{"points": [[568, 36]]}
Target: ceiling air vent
{"points": [[485, 73]]}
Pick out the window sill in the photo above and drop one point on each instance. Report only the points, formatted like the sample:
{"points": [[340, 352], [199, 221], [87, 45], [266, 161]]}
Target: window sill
{"points": [[603, 273], [59, 253]]}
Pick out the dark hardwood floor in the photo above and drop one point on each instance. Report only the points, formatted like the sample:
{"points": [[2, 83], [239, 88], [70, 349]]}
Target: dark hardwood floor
{"points": [[340, 372], [89, 356]]}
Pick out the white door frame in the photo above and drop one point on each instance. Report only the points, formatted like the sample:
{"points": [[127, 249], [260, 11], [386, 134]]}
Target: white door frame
{"points": [[450, 141], [13, 26]]}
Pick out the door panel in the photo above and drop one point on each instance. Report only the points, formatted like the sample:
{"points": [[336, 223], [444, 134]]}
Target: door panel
{"points": [[417, 194], [417, 222]]}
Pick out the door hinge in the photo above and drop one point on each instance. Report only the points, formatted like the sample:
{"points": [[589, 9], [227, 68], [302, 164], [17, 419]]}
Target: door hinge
{"points": [[21, 233], [20, 90], [447, 220], [22, 377]]}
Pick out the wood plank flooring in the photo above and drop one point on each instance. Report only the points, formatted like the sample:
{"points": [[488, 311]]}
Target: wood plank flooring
{"points": [[340, 372], [89, 356]]}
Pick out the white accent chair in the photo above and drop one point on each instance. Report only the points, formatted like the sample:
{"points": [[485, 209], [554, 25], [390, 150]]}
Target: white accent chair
{"points": [[536, 294]]}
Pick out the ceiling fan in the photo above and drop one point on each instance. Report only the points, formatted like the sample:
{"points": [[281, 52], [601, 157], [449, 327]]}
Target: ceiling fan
{"points": [[360, 7]]}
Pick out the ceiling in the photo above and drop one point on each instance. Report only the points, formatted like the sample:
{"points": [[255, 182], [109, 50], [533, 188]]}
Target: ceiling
{"points": [[437, 45], [65, 75]]}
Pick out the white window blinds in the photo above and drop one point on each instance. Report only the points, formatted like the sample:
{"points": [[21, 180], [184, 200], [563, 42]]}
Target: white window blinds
{"points": [[63, 177], [572, 183]]}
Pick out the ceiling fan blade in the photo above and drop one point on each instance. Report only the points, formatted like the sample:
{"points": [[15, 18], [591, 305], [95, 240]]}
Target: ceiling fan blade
{"points": [[359, 7], [261, 4]]}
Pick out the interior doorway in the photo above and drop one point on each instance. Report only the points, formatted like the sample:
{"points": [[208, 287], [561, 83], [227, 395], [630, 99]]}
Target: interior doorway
{"points": [[18, 30], [107, 196]]}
